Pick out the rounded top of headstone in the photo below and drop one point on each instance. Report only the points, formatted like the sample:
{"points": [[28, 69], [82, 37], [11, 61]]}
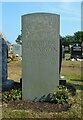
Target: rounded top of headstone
{"points": [[40, 13]]}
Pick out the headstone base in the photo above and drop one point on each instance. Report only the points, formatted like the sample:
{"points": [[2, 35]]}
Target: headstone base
{"points": [[7, 85], [62, 80]]}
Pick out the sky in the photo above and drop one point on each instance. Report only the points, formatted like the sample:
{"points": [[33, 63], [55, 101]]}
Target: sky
{"points": [[82, 16], [11, 12]]}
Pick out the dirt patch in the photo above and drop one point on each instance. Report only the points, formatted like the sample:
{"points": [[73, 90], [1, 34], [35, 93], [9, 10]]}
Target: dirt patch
{"points": [[38, 106]]}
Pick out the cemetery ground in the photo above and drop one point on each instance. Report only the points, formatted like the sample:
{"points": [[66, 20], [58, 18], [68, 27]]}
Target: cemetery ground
{"points": [[72, 71]]}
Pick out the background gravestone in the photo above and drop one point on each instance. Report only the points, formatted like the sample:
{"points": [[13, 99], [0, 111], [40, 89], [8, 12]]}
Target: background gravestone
{"points": [[4, 83], [17, 50], [3, 59], [40, 42], [76, 51], [0, 64], [3, 62], [63, 52], [66, 48]]}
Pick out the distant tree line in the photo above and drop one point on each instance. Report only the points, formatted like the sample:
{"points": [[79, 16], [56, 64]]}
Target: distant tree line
{"points": [[70, 40], [19, 39], [67, 40]]}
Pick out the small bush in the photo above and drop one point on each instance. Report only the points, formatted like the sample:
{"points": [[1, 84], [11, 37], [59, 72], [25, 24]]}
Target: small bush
{"points": [[62, 96], [11, 95]]}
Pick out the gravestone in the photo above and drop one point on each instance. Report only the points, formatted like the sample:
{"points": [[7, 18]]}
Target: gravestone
{"points": [[40, 52], [66, 48], [0, 64], [17, 50], [4, 54], [76, 51], [4, 83], [63, 52], [3, 61]]}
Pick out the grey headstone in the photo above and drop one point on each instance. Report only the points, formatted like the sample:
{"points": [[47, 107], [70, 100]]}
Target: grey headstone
{"points": [[4, 54], [40, 45], [63, 52], [3, 61], [17, 49], [0, 64], [66, 48], [4, 83]]}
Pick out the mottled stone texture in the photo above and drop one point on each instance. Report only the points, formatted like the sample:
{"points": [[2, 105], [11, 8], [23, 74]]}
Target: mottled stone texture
{"points": [[40, 42], [3, 60], [0, 64]]}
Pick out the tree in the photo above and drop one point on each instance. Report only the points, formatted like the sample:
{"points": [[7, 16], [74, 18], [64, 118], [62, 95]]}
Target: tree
{"points": [[19, 39], [78, 36], [66, 40], [63, 40], [69, 39]]}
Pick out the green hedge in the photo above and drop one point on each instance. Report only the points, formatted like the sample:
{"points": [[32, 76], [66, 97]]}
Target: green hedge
{"points": [[12, 95], [62, 96]]}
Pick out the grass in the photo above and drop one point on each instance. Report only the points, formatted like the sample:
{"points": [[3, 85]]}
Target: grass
{"points": [[14, 70], [72, 71]]}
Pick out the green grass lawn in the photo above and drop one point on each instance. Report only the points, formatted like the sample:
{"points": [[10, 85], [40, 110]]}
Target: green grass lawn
{"points": [[72, 71]]}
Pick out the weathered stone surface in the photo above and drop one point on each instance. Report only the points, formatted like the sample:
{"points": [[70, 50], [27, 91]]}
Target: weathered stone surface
{"points": [[0, 64], [3, 61], [3, 58], [40, 41]]}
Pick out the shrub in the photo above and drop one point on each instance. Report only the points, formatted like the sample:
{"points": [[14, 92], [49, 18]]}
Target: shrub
{"points": [[11, 95], [62, 96]]}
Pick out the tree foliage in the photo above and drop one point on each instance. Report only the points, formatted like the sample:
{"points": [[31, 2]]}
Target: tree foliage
{"points": [[19, 39], [76, 38]]}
